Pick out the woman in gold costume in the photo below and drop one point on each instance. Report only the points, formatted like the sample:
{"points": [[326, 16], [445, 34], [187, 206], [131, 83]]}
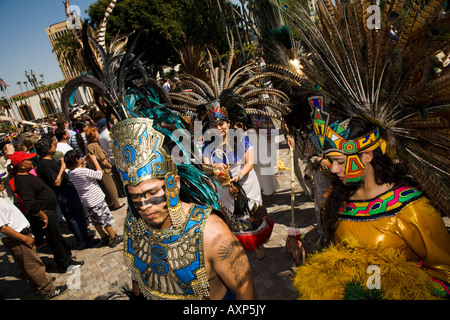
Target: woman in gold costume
{"points": [[374, 220], [384, 238]]}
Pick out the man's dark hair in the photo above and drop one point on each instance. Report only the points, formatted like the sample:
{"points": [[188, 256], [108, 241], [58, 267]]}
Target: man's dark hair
{"points": [[71, 159], [79, 126], [43, 146], [60, 122], [49, 134], [59, 133]]}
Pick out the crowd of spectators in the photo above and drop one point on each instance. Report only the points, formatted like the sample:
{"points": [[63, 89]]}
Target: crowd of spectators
{"points": [[55, 175]]}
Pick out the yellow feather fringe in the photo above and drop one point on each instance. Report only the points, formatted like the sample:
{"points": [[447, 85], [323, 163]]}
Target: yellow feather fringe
{"points": [[325, 274]]}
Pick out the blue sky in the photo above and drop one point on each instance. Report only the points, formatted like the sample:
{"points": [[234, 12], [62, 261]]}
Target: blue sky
{"points": [[23, 42]]}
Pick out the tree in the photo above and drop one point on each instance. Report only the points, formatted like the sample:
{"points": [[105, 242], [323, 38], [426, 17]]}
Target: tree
{"points": [[4, 106], [7, 127], [19, 83], [167, 25], [26, 86], [46, 88]]}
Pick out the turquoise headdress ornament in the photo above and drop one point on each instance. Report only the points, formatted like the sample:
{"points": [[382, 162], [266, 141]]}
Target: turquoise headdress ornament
{"points": [[139, 153], [333, 139]]}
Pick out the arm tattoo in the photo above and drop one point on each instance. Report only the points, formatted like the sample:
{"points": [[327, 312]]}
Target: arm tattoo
{"points": [[232, 251], [228, 249]]}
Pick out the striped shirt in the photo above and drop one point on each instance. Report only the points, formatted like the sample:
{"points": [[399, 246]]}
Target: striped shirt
{"points": [[85, 181]]}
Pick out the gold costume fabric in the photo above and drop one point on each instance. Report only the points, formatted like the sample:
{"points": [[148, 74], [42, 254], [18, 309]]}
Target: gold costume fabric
{"points": [[412, 226]]}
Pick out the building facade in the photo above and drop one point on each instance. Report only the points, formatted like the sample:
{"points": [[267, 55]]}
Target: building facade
{"points": [[31, 105], [54, 32], [46, 101]]}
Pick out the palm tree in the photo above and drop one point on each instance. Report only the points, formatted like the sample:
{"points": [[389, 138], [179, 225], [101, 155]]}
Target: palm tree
{"points": [[49, 90], [19, 83], [57, 88], [4, 104], [46, 96], [26, 86], [69, 51]]}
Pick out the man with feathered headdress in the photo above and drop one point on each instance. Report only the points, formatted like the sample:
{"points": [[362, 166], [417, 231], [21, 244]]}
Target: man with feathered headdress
{"points": [[174, 249], [240, 195], [175, 244]]}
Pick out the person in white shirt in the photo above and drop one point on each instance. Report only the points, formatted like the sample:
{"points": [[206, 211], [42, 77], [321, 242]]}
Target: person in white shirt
{"points": [[63, 136], [16, 235], [91, 195], [104, 140], [166, 86]]}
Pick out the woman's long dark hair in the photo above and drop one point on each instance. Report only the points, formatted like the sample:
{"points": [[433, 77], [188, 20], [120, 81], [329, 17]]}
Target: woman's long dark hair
{"points": [[385, 171], [79, 127]]}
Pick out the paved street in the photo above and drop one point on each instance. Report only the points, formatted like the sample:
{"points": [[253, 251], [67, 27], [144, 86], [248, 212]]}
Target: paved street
{"points": [[104, 273]]}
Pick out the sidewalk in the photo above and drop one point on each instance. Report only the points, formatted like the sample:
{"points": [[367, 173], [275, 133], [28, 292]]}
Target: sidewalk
{"points": [[104, 273]]}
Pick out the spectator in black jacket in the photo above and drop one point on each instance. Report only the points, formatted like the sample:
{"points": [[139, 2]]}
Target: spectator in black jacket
{"points": [[54, 175]]}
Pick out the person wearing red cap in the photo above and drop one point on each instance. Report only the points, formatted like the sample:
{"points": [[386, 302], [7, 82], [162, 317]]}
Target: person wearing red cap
{"points": [[40, 201], [19, 156]]}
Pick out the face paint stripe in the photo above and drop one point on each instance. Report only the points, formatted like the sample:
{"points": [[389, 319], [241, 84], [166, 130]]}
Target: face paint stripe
{"points": [[153, 201]]}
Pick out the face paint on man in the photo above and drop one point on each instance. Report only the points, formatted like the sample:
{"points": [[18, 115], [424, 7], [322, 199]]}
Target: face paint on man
{"points": [[150, 201], [153, 201]]}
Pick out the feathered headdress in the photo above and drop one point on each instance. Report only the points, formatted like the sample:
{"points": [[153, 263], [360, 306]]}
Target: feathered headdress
{"points": [[231, 95], [391, 81], [234, 90], [281, 49], [148, 129], [116, 46]]}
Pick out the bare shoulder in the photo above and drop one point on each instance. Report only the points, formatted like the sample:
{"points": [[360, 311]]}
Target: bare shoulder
{"points": [[216, 230], [220, 242], [227, 259], [216, 221]]}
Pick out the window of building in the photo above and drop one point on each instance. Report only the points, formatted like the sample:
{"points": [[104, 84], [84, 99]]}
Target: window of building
{"points": [[26, 112], [47, 106]]}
